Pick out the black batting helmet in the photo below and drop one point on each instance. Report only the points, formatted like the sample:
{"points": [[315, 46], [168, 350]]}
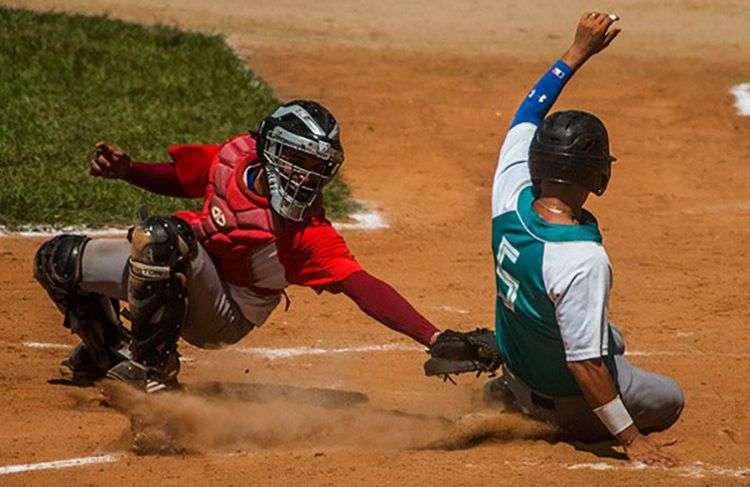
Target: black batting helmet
{"points": [[571, 147]]}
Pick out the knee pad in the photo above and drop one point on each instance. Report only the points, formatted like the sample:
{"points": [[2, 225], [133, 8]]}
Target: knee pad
{"points": [[57, 267], [162, 249], [91, 316]]}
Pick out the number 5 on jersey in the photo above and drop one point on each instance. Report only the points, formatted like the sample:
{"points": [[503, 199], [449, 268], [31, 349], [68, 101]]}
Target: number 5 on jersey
{"points": [[506, 250]]}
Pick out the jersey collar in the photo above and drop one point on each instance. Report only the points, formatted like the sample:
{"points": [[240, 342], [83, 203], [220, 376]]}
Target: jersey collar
{"points": [[555, 232]]}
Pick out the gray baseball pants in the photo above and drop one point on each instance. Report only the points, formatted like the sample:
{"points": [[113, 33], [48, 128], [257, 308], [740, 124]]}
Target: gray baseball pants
{"points": [[213, 316], [654, 401]]}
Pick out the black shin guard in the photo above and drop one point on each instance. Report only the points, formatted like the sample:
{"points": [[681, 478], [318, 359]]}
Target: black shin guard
{"points": [[91, 316], [162, 248]]}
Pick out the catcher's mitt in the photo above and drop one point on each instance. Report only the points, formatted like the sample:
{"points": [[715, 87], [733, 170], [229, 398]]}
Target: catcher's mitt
{"points": [[456, 352]]}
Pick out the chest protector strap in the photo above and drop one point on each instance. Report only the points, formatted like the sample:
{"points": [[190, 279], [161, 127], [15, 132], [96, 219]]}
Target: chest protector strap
{"points": [[229, 205]]}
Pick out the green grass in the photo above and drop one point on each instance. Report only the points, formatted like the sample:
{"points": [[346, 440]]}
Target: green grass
{"points": [[68, 81]]}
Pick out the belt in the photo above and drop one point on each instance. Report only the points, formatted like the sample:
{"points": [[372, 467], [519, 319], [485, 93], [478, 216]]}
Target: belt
{"points": [[536, 398], [543, 402]]}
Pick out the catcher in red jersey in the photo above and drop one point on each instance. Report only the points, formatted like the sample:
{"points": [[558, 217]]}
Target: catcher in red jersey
{"points": [[211, 276]]}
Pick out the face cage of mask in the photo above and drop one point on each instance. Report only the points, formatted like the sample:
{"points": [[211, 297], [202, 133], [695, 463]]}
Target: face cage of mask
{"points": [[293, 189]]}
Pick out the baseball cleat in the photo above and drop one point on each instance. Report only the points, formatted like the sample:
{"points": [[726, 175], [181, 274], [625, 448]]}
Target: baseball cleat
{"points": [[80, 369], [496, 393], [145, 378]]}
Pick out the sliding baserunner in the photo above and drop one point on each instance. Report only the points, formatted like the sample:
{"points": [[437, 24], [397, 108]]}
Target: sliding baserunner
{"points": [[563, 360]]}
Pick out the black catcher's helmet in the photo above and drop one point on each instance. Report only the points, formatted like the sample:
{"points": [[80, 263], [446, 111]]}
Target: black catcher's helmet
{"points": [[571, 147], [300, 149]]}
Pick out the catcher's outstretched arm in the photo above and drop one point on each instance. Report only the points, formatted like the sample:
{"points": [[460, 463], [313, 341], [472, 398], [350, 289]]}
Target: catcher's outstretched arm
{"points": [[383, 303]]}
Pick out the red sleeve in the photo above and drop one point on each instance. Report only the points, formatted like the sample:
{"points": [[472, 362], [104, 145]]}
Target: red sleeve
{"points": [[157, 177], [192, 165], [315, 255], [383, 303]]}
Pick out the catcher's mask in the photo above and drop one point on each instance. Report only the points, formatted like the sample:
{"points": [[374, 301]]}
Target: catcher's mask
{"points": [[301, 152], [571, 147]]}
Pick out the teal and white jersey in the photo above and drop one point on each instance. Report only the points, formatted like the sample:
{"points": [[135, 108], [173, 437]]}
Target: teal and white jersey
{"points": [[553, 281]]}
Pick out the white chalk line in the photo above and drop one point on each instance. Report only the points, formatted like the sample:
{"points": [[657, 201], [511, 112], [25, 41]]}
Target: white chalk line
{"points": [[275, 353], [741, 94], [667, 353], [696, 469], [693, 470], [451, 309], [72, 462], [58, 464], [37, 231], [58, 346], [362, 221], [291, 352], [371, 220]]}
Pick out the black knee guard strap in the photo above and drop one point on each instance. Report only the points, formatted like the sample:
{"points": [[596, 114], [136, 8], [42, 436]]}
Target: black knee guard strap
{"points": [[157, 293], [92, 316]]}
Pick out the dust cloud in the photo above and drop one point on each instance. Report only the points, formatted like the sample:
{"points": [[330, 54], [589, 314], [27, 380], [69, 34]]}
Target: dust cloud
{"points": [[228, 417]]}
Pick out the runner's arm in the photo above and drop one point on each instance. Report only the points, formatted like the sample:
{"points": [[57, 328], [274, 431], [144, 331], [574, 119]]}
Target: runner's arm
{"points": [[543, 95], [595, 381], [578, 280], [599, 391], [592, 35], [512, 172]]}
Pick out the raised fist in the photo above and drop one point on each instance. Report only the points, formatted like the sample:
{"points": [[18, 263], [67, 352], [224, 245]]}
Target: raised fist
{"points": [[592, 35], [109, 162]]}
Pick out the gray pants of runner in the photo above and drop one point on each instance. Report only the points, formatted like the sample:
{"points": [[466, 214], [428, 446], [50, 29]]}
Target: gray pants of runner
{"points": [[654, 401], [213, 317]]}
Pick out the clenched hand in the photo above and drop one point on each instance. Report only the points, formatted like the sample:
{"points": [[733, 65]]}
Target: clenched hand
{"points": [[109, 162], [593, 34]]}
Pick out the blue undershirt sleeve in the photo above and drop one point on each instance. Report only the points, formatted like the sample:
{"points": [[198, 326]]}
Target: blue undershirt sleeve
{"points": [[544, 94]]}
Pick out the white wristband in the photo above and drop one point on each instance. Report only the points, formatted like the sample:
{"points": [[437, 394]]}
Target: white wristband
{"points": [[614, 416]]}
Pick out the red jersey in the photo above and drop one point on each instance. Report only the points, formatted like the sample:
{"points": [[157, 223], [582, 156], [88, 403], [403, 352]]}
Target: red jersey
{"points": [[235, 221]]}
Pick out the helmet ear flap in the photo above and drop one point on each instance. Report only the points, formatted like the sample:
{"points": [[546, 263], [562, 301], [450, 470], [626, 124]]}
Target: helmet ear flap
{"points": [[602, 185], [571, 147]]}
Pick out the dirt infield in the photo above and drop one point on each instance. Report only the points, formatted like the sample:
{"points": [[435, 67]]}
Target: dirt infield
{"points": [[424, 92]]}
